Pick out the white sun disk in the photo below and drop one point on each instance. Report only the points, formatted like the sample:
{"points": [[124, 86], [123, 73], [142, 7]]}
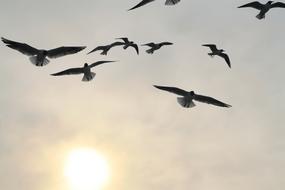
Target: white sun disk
{"points": [[85, 169]]}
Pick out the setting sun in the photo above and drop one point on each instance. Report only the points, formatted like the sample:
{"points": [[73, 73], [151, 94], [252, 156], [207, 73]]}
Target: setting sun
{"points": [[85, 169]]}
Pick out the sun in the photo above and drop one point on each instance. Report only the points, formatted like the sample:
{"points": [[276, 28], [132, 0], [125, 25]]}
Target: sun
{"points": [[86, 169]]}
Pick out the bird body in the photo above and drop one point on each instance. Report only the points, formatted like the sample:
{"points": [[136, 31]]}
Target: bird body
{"points": [[126, 44], [218, 52], [155, 46], [39, 57], [187, 97], [85, 70], [263, 8]]}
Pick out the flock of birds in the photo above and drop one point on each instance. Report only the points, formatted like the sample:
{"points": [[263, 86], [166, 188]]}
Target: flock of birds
{"points": [[39, 57]]}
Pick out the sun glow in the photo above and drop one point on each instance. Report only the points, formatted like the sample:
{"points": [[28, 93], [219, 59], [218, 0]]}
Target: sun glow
{"points": [[85, 169]]}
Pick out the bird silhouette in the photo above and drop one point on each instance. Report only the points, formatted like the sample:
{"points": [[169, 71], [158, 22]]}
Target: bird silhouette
{"points": [[263, 8], [154, 46], [128, 43], [218, 52], [186, 98], [38, 56], [144, 2], [105, 49], [85, 70]]}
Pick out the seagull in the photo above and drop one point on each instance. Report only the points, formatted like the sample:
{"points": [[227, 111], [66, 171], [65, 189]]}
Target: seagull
{"points": [[186, 99], [38, 56], [128, 43], [144, 2], [106, 48], [86, 70], [263, 8], [154, 46], [218, 52]]}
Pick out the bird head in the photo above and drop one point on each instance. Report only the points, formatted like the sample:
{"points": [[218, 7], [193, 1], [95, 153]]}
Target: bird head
{"points": [[192, 93], [85, 64], [222, 50], [270, 2]]}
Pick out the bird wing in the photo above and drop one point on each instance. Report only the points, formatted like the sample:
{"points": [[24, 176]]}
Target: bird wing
{"points": [[72, 71], [278, 5], [99, 63], [254, 4], [171, 2], [97, 49], [149, 44], [165, 43], [117, 44], [62, 51], [213, 47], [210, 100], [136, 47], [172, 90], [142, 3], [21, 47], [226, 57], [126, 40]]}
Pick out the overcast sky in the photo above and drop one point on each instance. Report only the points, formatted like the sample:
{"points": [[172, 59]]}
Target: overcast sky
{"points": [[151, 142]]}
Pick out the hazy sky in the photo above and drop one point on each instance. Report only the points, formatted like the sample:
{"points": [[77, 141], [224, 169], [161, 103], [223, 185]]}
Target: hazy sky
{"points": [[151, 142]]}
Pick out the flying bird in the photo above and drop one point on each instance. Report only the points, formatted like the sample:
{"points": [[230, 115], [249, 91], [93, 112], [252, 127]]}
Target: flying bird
{"points": [[38, 56], [106, 48], [186, 98], [85, 70], [128, 43], [144, 2], [154, 46], [218, 52], [263, 8]]}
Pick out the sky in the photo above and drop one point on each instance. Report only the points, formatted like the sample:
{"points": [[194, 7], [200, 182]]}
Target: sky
{"points": [[149, 140]]}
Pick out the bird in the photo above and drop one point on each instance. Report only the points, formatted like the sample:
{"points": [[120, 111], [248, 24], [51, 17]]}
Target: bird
{"points": [[218, 52], [154, 46], [186, 97], [128, 43], [38, 56], [86, 70], [106, 48], [144, 2], [263, 8]]}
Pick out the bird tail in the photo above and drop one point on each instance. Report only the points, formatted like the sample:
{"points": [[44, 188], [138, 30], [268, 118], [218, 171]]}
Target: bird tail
{"points": [[39, 62], [171, 2], [260, 16], [87, 78], [184, 103], [149, 51], [211, 54]]}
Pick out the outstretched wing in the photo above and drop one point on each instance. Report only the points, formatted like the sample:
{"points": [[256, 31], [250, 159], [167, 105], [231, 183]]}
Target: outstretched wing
{"points": [[278, 5], [210, 100], [142, 3], [62, 51], [149, 44], [99, 63], [136, 47], [174, 90], [255, 5], [126, 40], [116, 44], [98, 48], [226, 57], [21, 47], [213, 47], [72, 71], [165, 43], [171, 2]]}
